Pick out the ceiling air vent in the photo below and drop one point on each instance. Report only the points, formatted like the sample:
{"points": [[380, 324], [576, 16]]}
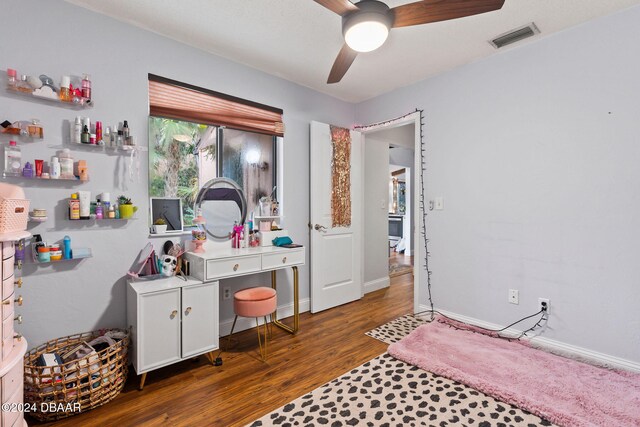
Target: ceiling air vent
{"points": [[516, 35]]}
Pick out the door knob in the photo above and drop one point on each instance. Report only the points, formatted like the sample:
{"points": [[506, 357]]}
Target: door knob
{"points": [[284, 260], [321, 228], [188, 310], [174, 313]]}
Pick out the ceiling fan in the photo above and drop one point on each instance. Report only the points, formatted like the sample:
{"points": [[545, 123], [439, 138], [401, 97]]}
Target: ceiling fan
{"points": [[366, 24]]}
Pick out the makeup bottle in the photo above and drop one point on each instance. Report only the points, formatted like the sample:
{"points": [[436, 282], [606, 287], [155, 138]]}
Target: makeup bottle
{"points": [[66, 164], [98, 132], [106, 138], [85, 204], [119, 141], [125, 130], [55, 168], [27, 171], [85, 137], [67, 247], [99, 210], [74, 207], [86, 87], [65, 94], [82, 170], [12, 159], [76, 130], [112, 212]]}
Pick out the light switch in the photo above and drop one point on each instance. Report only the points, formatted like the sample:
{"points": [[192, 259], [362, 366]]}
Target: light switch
{"points": [[439, 203]]}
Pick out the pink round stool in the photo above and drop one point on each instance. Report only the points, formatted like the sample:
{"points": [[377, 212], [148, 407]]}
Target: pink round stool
{"points": [[255, 302]]}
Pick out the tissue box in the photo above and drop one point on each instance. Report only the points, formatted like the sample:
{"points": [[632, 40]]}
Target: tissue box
{"points": [[267, 236]]}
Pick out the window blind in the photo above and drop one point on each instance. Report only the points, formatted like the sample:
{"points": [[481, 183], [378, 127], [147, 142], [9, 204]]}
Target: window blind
{"points": [[176, 100]]}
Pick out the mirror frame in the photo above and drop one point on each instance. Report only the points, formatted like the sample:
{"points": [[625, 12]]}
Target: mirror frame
{"points": [[231, 184]]}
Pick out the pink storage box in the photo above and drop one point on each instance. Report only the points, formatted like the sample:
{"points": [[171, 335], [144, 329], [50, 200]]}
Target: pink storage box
{"points": [[14, 209]]}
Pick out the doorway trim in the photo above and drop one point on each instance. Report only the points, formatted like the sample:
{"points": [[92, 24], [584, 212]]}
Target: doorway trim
{"points": [[414, 118]]}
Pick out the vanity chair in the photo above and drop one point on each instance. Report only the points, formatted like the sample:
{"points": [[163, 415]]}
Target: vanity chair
{"points": [[255, 302]]}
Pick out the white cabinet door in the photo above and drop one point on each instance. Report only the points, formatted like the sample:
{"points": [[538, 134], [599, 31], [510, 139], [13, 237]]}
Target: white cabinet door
{"points": [[199, 319], [159, 329]]}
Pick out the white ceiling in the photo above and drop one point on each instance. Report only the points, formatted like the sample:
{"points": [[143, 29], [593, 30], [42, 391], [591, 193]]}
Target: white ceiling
{"points": [[298, 40]]}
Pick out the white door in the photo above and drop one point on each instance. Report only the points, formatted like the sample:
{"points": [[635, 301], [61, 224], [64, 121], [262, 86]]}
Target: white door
{"points": [[159, 329], [336, 253], [199, 319]]}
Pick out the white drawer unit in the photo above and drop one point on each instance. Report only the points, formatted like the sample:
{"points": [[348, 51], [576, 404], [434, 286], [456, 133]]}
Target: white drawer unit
{"points": [[283, 259], [171, 320], [13, 347], [229, 267]]}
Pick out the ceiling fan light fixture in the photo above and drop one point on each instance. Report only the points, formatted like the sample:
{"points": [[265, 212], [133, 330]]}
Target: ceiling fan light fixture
{"points": [[367, 28]]}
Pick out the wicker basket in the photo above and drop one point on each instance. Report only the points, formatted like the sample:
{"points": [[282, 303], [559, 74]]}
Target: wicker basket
{"points": [[90, 381], [14, 214]]}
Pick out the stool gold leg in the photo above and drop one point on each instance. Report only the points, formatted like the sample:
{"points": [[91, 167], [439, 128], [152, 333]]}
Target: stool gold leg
{"points": [[262, 352], [142, 380]]}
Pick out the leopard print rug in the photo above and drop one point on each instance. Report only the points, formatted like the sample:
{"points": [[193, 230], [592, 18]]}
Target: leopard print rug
{"points": [[397, 329], [388, 392]]}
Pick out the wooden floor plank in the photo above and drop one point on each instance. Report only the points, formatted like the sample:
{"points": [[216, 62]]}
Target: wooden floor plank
{"points": [[195, 393]]}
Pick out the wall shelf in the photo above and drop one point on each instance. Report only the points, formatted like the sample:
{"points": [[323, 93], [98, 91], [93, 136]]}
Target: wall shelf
{"points": [[43, 95], [122, 150], [88, 254], [35, 178]]}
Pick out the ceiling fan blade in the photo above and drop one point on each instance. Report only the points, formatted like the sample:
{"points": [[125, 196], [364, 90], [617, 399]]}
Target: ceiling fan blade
{"points": [[340, 7], [424, 12], [342, 63]]}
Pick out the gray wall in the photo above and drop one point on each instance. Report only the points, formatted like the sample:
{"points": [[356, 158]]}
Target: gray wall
{"points": [[376, 210], [57, 38], [535, 151]]}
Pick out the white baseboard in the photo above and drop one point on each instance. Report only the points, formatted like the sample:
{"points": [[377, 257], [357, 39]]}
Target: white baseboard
{"points": [[374, 285], [244, 323], [551, 345]]}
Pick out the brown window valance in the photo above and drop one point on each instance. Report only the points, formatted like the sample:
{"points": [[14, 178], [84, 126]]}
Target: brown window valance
{"points": [[176, 100]]}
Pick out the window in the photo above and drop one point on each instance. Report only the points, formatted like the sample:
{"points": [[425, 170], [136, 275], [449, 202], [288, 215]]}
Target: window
{"points": [[196, 134], [184, 156]]}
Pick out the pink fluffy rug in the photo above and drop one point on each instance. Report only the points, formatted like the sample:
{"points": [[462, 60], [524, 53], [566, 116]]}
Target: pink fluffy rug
{"points": [[563, 391]]}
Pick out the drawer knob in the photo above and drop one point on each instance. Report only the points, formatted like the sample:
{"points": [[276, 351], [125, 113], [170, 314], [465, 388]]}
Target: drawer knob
{"points": [[188, 310], [6, 302], [284, 259], [18, 319], [19, 300], [174, 313], [18, 282], [235, 267], [18, 337]]}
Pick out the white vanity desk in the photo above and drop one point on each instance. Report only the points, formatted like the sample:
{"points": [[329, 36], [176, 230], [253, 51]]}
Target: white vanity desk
{"points": [[172, 320], [224, 262]]}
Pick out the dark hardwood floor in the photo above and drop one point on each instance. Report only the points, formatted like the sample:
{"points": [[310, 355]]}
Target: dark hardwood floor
{"points": [[195, 393]]}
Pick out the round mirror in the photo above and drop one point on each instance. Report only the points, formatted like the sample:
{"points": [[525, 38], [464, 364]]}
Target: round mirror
{"points": [[222, 204]]}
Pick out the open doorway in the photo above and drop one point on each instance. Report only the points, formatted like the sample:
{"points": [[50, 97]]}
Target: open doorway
{"points": [[389, 208], [400, 241]]}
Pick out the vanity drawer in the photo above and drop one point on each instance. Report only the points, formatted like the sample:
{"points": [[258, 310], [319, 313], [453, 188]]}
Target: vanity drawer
{"points": [[7, 337], [8, 249], [10, 417], [8, 307], [7, 287], [12, 381], [282, 259], [7, 268], [227, 267]]}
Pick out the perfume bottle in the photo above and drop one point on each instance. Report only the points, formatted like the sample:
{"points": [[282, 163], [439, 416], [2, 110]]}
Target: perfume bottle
{"points": [[35, 130], [125, 129], [86, 87], [98, 132], [65, 94], [12, 82], [23, 85]]}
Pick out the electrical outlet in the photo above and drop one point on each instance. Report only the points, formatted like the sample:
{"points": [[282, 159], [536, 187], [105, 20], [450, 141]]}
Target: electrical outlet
{"points": [[226, 292], [542, 302], [514, 297]]}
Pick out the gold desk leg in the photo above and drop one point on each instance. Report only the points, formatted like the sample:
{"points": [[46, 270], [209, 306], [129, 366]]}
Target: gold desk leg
{"points": [[142, 380], [296, 305]]}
